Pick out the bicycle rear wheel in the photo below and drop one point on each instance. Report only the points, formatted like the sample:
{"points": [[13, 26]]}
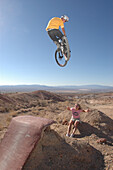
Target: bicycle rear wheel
{"points": [[60, 58]]}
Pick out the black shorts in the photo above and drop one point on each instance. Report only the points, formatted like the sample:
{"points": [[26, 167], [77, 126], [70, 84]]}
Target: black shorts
{"points": [[55, 34]]}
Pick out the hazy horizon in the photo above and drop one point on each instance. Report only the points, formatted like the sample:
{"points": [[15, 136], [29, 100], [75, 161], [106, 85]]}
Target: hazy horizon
{"points": [[56, 85]]}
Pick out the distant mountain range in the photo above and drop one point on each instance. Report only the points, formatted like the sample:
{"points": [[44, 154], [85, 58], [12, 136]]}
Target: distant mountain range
{"points": [[30, 88]]}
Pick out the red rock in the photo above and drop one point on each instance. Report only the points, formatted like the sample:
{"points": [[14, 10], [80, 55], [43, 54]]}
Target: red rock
{"points": [[101, 140], [23, 134], [65, 122]]}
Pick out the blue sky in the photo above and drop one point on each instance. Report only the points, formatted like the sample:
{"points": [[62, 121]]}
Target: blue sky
{"points": [[27, 52]]}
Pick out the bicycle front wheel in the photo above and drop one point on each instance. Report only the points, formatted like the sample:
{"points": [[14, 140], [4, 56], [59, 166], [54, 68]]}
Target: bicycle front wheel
{"points": [[60, 58]]}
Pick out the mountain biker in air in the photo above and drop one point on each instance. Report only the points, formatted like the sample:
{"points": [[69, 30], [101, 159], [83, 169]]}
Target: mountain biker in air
{"points": [[53, 29]]}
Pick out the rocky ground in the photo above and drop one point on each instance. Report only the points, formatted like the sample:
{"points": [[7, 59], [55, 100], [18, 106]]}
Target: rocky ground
{"points": [[96, 124]]}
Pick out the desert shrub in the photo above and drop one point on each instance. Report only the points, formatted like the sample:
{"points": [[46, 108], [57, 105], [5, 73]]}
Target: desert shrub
{"points": [[43, 103], [4, 109]]}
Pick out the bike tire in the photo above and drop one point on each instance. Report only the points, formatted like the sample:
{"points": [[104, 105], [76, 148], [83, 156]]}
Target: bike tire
{"points": [[57, 59]]}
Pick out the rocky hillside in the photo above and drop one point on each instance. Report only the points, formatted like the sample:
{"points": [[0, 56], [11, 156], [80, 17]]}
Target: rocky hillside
{"points": [[16, 101]]}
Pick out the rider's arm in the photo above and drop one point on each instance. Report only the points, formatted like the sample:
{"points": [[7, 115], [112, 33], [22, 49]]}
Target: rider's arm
{"points": [[86, 110], [63, 30]]}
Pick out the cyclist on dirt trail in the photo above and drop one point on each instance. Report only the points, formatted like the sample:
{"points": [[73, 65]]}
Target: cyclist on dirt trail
{"points": [[53, 29]]}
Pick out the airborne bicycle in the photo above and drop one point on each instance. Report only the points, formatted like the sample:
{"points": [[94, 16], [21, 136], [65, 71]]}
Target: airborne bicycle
{"points": [[62, 54]]}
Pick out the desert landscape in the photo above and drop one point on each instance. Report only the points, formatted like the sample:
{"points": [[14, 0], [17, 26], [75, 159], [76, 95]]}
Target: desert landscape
{"points": [[92, 146]]}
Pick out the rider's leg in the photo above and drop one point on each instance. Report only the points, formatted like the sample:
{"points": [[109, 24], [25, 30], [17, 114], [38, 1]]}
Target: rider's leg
{"points": [[60, 36], [63, 40], [64, 43], [57, 44], [58, 33], [53, 35]]}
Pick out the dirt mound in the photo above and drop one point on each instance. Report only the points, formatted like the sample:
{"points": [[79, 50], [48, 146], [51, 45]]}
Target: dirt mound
{"points": [[99, 120], [53, 152], [45, 95]]}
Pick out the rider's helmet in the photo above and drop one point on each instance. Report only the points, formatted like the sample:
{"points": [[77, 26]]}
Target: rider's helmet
{"points": [[65, 17]]}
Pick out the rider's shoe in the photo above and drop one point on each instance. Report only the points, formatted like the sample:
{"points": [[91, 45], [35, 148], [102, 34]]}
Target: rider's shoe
{"points": [[67, 135], [72, 135]]}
